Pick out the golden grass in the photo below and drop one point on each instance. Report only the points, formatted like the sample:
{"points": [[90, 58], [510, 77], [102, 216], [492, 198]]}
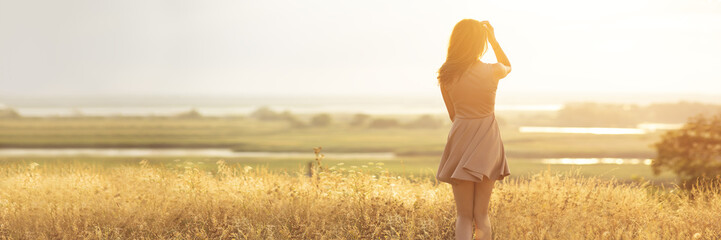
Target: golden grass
{"points": [[144, 202]]}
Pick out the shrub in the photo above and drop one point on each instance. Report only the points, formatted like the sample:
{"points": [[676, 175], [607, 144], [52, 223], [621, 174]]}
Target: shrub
{"points": [[9, 113], [192, 113], [321, 120], [384, 123], [359, 119], [266, 114]]}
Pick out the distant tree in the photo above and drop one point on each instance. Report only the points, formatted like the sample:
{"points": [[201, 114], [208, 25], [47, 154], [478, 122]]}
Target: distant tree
{"points": [[692, 152], [9, 113], [359, 119], [192, 113], [321, 120], [265, 114], [292, 119], [384, 123], [425, 121]]}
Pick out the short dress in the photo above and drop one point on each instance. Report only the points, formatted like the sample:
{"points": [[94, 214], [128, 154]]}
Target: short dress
{"points": [[474, 149]]}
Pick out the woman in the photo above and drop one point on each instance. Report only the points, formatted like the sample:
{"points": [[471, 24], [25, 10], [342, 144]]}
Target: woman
{"points": [[474, 157]]}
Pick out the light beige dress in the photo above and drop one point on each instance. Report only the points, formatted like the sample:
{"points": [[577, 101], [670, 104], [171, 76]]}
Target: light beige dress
{"points": [[474, 149]]}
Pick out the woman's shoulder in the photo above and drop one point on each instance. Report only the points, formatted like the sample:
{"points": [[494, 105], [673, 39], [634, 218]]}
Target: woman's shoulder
{"points": [[481, 69], [483, 65]]}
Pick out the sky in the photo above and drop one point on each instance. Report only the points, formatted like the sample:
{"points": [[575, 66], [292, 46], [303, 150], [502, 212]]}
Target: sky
{"points": [[370, 47]]}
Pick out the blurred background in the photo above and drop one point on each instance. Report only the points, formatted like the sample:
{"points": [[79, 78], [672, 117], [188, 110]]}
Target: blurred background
{"points": [[260, 83]]}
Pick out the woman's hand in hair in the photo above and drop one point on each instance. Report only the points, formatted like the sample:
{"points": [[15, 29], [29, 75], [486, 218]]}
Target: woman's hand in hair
{"points": [[502, 69], [488, 27]]}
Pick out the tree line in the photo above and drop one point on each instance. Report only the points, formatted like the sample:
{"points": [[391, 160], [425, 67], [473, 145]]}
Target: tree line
{"points": [[629, 115], [360, 120]]}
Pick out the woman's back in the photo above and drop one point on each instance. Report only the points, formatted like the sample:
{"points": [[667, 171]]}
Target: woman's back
{"points": [[473, 95]]}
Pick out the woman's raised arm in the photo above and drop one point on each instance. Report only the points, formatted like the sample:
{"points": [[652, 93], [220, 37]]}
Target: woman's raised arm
{"points": [[502, 69]]}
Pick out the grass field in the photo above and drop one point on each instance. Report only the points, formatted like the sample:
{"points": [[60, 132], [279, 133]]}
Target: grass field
{"points": [[418, 150], [144, 201], [200, 197], [247, 134], [417, 166]]}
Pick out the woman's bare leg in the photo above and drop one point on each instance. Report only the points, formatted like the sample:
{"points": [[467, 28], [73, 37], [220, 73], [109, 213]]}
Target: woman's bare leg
{"points": [[463, 195], [482, 199]]}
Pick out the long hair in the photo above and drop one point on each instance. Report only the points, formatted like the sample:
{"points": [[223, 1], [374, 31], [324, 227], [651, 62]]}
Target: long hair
{"points": [[468, 43]]}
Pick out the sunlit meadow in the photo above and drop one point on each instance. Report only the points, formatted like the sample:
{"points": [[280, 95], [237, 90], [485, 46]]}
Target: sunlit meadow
{"points": [[196, 119], [141, 201]]}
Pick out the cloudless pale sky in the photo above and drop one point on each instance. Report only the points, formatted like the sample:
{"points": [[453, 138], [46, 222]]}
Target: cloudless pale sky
{"points": [[317, 47]]}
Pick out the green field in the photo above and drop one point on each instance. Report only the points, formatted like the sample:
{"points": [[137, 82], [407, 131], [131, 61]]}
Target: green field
{"points": [[417, 150], [247, 134]]}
